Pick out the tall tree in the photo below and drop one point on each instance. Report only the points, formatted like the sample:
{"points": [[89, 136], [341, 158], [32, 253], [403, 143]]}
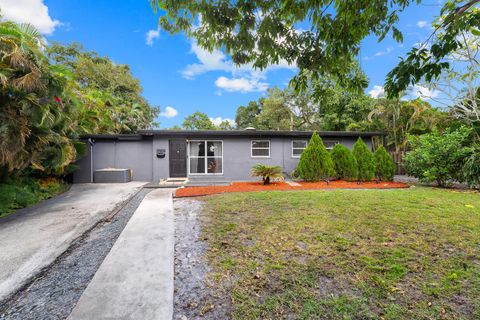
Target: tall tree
{"points": [[246, 116], [275, 115], [198, 121], [36, 125], [111, 97], [265, 33]]}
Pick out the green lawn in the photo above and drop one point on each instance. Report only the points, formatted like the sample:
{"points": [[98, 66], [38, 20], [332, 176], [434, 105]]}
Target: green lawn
{"points": [[347, 254]]}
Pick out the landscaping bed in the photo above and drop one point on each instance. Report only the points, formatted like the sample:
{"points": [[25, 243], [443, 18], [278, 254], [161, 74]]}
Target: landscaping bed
{"points": [[259, 186], [343, 254]]}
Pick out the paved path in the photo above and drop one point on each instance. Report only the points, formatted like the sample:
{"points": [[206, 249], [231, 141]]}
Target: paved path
{"points": [[135, 281], [33, 238]]}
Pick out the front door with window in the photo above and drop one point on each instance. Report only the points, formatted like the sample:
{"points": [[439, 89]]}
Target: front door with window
{"points": [[205, 157], [178, 158]]}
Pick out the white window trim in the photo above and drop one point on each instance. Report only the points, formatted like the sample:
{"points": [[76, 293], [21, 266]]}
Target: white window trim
{"points": [[298, 156], [204, 157], [335, 143], [251, 149]]}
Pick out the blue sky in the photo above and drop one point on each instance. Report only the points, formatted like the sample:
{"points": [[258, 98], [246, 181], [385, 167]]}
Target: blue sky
{"points": [[177, 75]]}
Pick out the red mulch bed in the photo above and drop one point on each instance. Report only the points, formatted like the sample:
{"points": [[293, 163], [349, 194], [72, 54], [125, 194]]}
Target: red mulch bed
{"points": [[258, 186]]}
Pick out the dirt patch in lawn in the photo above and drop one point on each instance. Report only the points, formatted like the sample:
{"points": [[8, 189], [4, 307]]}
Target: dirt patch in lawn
{"points": [[276, 186]]}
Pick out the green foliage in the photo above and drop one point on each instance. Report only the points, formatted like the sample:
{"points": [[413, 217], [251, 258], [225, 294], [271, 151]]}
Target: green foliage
{"points": [[23, 192], [365, 161], [471, 168], [329, 46], [428, 60], [37, 124], [268, 173], [384, 165], [315, 162], [198, 121], [439, 158], [246, 115], [331, 43], [344, 162], [108, 97]]}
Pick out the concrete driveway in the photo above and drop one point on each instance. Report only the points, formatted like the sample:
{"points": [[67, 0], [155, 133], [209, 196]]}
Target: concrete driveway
{"points": [[34, 237]]}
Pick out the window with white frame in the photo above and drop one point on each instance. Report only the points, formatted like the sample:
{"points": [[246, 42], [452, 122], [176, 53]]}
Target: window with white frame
{"points": [[297, 147], [260, 149], [329, 144], [205, 157]]}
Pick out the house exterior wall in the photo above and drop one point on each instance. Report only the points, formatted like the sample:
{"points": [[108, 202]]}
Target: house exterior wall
{"points": [[140, 156], [134, 155], [237, 159]]}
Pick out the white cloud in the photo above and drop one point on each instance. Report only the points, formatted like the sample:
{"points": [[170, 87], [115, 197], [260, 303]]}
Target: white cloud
{"points": [[377, 92], [169, 112], [151, 36], [34, 12], [382, 53], [243, 78], [418, 91], [422, 24], [241, 84], [217, 120], [208, 61]]}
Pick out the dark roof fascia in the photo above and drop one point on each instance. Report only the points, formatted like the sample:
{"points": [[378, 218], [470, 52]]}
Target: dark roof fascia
{"points": [[257, 133], [115, 137], [227, 133]]}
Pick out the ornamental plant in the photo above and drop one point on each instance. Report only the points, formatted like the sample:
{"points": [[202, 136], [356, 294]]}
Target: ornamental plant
{"points": [[344, 162], [268, 173], [365, 161], [384, 165], [315, 162]]}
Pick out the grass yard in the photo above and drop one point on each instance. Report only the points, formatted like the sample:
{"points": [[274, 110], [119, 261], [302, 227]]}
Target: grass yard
{"points": [[346, 254]]}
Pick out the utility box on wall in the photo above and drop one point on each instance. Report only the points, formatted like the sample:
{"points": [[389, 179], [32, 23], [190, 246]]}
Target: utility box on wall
{"points": [[112, 175], [161, 153]]}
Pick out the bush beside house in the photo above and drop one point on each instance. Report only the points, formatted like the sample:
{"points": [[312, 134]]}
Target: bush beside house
{"points": [[315, 162], [365, 161], [384, 165], [344, 162], [442, 158]]}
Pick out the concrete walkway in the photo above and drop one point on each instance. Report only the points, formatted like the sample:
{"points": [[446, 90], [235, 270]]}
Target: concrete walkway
{"points": [[33, 238], [135, 281]]}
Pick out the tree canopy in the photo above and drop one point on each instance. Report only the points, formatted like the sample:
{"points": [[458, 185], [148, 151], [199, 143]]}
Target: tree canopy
{"points": [[110, 95], [322, 38]]}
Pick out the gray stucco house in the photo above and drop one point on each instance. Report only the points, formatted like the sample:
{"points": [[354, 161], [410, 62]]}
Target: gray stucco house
{"points": [[153, 155]]}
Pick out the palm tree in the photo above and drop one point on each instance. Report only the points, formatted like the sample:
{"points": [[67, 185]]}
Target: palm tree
{"points": [[34, 120]]}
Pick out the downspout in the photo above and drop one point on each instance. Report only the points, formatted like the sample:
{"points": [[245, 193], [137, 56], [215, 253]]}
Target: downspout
{"points": [[90, 143]]}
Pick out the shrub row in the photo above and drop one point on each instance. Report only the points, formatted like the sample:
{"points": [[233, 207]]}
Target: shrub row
{"points": [[316, 163]]}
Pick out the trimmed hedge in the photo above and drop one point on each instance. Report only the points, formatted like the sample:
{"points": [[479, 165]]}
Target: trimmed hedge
{"points": [[384, 165], [344, 162], [365, 161], [315, 162]]}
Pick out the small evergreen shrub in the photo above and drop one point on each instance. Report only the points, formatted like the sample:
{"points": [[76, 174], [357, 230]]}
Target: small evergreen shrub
{"points": [[384, 165], [365, 161], [344, 162], [315, 162]]}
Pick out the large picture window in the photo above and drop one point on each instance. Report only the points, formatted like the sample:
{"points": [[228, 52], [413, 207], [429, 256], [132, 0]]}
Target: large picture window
{"points": [[297, 147], [205, 157], [260, 149]]}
